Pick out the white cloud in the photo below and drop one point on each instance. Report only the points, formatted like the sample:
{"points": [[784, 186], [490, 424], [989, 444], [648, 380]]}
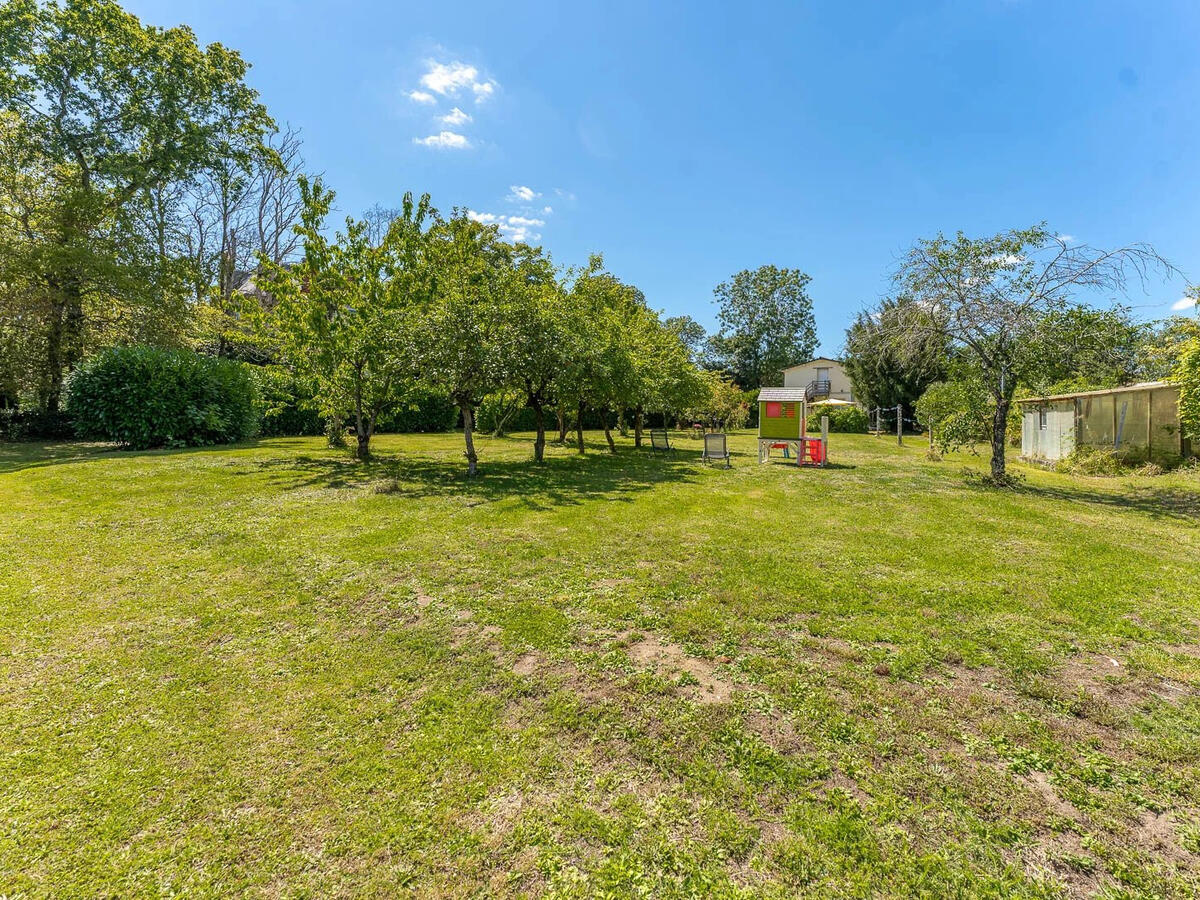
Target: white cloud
{"points": [[546, 210], [444, 140], [450, 79], [516, 228], [455, 117], [421, 97], [1183, 303], [1067, 238], [518, 193]]}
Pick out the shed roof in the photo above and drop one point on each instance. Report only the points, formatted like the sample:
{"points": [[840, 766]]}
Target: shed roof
{"points": [[1142, 386], [787, 395]]}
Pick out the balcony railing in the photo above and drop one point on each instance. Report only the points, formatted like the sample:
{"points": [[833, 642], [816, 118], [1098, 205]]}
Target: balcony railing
{"points": [[816, 390]]}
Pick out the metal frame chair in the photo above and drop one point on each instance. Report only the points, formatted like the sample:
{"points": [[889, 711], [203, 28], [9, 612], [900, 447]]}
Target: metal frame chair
{"points": [[716, 447], [660, 439]]}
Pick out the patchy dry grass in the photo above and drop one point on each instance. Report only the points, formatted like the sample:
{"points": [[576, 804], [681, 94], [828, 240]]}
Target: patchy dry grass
{"points": [[272, 670]]}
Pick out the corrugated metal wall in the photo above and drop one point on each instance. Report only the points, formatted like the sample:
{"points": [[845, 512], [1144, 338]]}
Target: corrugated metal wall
{"points": [[1057, 439], [1139, 424]]}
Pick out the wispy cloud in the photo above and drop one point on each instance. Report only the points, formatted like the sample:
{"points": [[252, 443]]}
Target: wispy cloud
{"points": [[452, 78], [1184, 303], [444, 140], [455, 117], [423, 97], [519, 193]]}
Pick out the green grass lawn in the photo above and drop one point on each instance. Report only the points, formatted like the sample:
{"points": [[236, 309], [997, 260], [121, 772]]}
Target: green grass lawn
{"points": [[272, 670]]}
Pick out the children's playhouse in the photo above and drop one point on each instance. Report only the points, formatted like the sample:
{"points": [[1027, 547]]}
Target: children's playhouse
{"points": [[782, 421]]}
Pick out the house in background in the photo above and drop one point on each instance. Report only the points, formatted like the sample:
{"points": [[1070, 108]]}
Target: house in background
{"points": [[822, 378], [1140, 421]]}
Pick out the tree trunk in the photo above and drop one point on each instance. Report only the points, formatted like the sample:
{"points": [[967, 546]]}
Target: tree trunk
{"points": [[562, 425], [612, 447], [579, 427], [539, 421], [637, 427], [468, 415], [621, 426], [360, 427], [1000, 440], [52, 390]]}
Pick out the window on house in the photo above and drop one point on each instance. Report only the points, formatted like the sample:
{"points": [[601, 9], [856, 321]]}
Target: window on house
{"points": [[1042, 419]]}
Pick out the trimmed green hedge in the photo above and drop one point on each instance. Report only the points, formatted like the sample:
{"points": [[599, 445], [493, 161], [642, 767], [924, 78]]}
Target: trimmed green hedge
{"points": [[143, 397], [286, 403], [842, 419], [421, 411]]}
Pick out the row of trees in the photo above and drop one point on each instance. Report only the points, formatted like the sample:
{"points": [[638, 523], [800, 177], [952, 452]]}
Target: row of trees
{"points": [[372, 314], [976, 323], [142, 181]]}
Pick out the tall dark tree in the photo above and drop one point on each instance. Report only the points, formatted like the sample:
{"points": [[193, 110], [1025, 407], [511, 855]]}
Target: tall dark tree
{"points": [[767, 324], [888, 372], [690, 333]]}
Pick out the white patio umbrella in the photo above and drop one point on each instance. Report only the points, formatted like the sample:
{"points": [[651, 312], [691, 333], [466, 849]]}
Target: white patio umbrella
{"points": [[832, 401]]}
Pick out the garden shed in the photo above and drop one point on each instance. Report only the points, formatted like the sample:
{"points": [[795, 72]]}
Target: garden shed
{"points": [[1141, 421]]}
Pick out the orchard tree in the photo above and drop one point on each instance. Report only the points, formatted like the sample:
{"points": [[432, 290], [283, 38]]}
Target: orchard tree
{"points": [[537, 337], [602, 374], [463, 334], [767, 324], [1000, 301], [344, 316], [108, 111]]}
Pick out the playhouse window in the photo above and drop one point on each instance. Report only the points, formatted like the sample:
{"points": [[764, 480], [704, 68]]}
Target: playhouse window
{"points": [[774, 410]]}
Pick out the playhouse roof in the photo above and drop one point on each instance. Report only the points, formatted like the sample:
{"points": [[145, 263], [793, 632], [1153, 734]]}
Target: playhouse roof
{"points": [[787, 395]]}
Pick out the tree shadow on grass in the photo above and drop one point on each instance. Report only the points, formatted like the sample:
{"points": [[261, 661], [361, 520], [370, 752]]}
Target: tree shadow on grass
{"points": [[39, 454], [557, 482], [1174, 504]]}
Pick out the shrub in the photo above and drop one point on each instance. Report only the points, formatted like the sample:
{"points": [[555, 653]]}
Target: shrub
{"points": [[1187, 374], [507, 410], [142, 397], [842, 419], [31, 424]]}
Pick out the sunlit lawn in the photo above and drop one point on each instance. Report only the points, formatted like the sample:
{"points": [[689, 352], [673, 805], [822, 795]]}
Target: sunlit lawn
{"points": [[270, 669]]}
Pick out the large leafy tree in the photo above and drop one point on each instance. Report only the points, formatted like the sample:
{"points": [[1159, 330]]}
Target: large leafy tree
{"points": [[344, 316], [767, 324], [108, 111], [885, 371], [1003, 301]]}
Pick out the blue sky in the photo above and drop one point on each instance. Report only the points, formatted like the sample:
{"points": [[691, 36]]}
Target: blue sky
{"points": [[687, 141]]}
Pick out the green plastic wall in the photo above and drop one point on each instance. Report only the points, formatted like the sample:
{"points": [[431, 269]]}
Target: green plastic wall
{"points": [[783, 429]]}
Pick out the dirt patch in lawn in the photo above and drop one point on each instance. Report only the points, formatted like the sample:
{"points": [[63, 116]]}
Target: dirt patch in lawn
{"points": [[670, 661]]}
